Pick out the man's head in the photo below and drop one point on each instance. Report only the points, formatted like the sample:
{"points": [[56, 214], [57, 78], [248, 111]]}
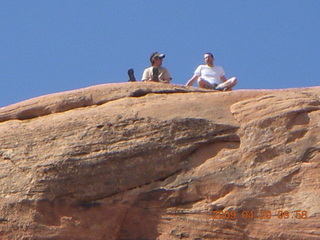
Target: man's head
{"points": [[156, 58], [209, 58]]}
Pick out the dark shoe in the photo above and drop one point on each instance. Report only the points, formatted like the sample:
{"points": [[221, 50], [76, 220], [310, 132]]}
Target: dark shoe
{"points": [[155, 74], [212, 87], [131, 75]]}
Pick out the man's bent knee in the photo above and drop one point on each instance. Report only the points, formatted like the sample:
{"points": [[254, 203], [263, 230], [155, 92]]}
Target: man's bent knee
{"points": [[233, 80], [202, 83]]}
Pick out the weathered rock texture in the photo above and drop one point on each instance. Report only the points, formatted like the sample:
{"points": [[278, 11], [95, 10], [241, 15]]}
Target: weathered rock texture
{"points": [[153, 161]]}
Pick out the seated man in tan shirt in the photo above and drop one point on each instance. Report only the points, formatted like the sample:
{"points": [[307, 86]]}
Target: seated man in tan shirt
{"points": [[156, 73]]}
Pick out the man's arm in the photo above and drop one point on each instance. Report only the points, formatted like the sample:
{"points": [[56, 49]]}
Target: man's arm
{"points": [[165, 76], [192, 80], [146, 77], [166, 80]]}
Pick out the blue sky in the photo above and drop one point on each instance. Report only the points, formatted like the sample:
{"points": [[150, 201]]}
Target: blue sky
{"points": [[49, 46]]}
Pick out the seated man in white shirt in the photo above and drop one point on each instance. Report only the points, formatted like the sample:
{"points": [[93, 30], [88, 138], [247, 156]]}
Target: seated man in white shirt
{"points": [[211, 77]]}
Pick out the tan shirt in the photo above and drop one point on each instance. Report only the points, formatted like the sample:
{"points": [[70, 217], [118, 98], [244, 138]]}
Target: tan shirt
{"points": [[164, 75]]}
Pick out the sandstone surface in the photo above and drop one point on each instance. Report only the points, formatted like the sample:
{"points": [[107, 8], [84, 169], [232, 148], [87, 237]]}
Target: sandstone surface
{"points": [[145, 161]]}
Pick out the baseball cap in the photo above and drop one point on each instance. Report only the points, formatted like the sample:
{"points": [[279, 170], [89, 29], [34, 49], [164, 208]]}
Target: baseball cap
{"points": [[156, 55]]}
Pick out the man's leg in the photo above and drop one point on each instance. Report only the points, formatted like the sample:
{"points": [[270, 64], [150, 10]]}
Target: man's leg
{"points": [[155, 74], [227, 85], [204, 84]]}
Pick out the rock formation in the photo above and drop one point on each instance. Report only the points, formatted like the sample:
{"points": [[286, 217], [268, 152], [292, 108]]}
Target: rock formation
{"points": [[145, 161]]}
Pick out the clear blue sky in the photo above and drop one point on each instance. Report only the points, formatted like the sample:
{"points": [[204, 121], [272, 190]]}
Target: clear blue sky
{"points": [[50, 46]]}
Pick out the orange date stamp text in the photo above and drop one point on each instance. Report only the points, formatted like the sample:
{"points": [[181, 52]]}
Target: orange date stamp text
{"points": [[261, 214]]}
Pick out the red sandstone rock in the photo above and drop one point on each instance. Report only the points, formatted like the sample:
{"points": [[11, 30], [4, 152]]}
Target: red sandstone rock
{"points": [[155, 161]]}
